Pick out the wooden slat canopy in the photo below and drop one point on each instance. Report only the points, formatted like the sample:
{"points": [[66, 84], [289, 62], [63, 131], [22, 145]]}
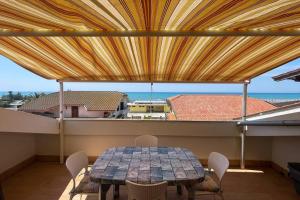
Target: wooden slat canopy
{"points": [[143, 41]]}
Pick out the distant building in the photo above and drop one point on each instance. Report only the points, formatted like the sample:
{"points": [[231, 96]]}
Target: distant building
{"points": [[284, 102], [80, 104], [16, 104], [148, 109], [213, 107], [291, 75], [287, 112]]}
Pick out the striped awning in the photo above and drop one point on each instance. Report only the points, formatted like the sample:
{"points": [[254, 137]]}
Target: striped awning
{"points": [[150, 41]]}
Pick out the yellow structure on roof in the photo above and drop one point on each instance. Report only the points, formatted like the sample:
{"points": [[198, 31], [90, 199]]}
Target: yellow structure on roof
{"points": [[148, 107], [150, 41]]}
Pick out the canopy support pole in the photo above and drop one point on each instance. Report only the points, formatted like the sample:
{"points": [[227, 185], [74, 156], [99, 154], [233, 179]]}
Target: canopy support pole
{"points": [[61, 122], [244, 128], [151, 91]]}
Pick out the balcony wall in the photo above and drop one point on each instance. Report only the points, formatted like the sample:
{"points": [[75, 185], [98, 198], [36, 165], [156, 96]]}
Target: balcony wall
{"points": [[24, 135], [22, 122], [94, 136], [286, 140], [15, 148], [17, 136], [276, 144], [285, 149]]}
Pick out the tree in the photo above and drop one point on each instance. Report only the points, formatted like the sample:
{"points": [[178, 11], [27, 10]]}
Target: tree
{"points": [[35, 95], [38, 94], [10, 96], [18, 96], [3, 104]]}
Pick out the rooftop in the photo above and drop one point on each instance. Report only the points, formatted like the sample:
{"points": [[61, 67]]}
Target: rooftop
{"points": [[153, 102], [92, 100], [214, 107], [279, 111], [292, 75], [285, 103]]}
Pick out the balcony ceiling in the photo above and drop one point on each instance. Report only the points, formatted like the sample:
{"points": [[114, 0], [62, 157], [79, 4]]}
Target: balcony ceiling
{"points": [[150, 41]]}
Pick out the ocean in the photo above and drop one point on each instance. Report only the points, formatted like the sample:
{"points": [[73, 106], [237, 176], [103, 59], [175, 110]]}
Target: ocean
{"points": [[164, 95]]}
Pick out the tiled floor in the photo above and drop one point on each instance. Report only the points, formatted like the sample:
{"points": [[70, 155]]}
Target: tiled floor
{"points": [[51, 181]]}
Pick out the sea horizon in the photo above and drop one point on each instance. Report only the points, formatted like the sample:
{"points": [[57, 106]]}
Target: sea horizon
{"points": [[164, 95]]}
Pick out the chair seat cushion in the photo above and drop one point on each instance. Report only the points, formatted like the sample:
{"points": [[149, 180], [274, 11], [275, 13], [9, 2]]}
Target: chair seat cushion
{"points": [[87, 186], [208, 185]]}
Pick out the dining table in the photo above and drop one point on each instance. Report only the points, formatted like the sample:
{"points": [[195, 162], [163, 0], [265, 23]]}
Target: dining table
{"points": [[145, 165]]}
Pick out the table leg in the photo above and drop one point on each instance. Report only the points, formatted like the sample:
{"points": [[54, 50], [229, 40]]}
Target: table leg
{"points": [[179, 189], [116, 191], [191, 193], [1, 193], [103, 188]]}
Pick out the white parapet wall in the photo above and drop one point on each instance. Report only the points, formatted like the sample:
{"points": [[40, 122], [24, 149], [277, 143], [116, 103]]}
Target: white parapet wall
{"points": [[15, 148], [285, 150], [22, 122], [154, 127], [17, 136], [94, 136], [23, 135], [286, 139]]}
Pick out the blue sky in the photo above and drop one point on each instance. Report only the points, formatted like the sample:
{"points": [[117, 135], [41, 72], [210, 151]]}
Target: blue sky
{"points": [[16, 78]]}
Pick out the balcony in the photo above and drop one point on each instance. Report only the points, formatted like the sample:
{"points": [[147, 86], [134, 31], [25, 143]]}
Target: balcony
{"points": [[30, 166], [147, 41]]}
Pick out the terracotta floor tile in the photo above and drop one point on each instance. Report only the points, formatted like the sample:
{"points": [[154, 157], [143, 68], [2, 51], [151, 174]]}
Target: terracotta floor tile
{"points": [[51, 181]]}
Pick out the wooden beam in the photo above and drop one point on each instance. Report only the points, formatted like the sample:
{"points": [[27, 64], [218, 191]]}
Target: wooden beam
{"points": [[148, 81], [163, 33]]}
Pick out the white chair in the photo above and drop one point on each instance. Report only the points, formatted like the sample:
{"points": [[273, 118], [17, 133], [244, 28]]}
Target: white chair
{"points": [[75, 164], [212, 182], [157, 191], [146, 141]]}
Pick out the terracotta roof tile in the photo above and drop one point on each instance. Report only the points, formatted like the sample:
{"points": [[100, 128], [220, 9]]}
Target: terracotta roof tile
{"points": [[92, 100], [171, 116], [214, 107]]}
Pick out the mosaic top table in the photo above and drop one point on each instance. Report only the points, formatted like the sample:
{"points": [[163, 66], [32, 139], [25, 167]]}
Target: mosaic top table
{"points": [[177, 166]]}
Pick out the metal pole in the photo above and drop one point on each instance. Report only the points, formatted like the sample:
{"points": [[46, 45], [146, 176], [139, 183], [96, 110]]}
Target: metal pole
{"points": [[61, 122], [151, 90], [244, 114]]}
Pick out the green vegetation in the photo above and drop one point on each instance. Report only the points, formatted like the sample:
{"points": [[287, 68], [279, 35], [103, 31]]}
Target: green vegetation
{"points": [[5, 100]]}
